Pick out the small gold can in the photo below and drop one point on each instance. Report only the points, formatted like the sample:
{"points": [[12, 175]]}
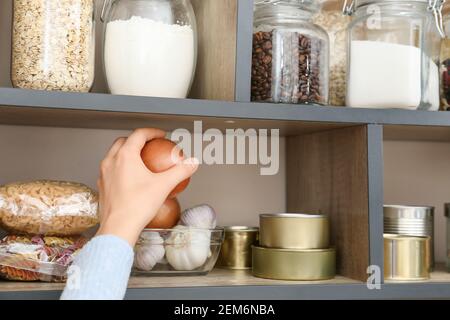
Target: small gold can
{"points": [[236, 250], [406, 258], [294, 231], [294, 264]]}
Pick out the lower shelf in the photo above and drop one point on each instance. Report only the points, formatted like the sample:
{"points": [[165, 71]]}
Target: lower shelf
{"points": [[237, 285]]}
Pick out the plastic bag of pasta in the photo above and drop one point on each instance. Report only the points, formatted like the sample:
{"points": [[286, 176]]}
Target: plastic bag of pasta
{"points": [[38, 258], [48, 208]]}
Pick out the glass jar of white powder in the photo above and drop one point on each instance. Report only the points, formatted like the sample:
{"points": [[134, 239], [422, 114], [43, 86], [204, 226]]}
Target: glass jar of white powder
{"points": [[393, 54], [150, 47]]}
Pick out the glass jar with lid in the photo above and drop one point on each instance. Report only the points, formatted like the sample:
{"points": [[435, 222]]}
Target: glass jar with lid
{"points": [[445, 59], [150, 47], [335, 22], [290, 53], [394, 53], [53, 45]]}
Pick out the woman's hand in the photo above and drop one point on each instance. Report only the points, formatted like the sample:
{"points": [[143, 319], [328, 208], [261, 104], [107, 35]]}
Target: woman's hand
{"points": [[130, 194]]}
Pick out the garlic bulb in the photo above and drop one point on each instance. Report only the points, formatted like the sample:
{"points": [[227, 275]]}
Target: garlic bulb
{"points": [[199, 217], [188, 249], [149, 252]]}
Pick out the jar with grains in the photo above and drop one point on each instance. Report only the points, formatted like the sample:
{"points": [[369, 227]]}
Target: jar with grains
{"points": [[393, 54], [445, 60], [290, 53], [53, 45], [335, 22]]}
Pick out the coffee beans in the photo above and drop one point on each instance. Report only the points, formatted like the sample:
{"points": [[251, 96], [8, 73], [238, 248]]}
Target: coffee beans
{"points": [[262, 66], [445, 85], [289, 67]]}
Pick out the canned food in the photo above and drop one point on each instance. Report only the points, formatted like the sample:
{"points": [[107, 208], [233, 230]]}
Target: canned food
{"points": [[236, 251], [294, 231], [406, 258], [294, 264], [415, 221]]}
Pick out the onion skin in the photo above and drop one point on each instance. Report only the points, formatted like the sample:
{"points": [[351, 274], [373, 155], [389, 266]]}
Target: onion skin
{"points": [[168, 215], [160, 155]]}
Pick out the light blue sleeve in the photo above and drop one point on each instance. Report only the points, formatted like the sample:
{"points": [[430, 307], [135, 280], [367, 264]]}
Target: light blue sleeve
{"points": [[100, 271]]}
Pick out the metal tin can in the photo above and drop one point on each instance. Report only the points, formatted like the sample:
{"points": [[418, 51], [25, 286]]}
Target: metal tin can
{"points": [[406, 258], [417, 221], [236, 250], [294, 231], [294, 264]]}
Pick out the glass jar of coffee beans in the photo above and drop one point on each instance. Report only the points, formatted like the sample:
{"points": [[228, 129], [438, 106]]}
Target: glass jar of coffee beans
{"points": [[290, 59]]}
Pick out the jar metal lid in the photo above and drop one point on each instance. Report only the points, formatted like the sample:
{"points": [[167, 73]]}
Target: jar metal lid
{"points": [[307, 4], [360, 3], [408, 212], [292, 215], [240, 229], [433, 5]]}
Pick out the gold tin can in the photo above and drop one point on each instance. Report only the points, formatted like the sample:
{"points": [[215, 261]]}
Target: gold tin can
{"points": [[406, 258], [294, 264], [294, 231], [236, 250]]}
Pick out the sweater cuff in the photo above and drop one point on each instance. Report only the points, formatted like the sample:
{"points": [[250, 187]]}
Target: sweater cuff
{"points": [[101, 270]]}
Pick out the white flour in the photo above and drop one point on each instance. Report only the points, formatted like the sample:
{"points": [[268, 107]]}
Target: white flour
{"points": [[388, 75], [149, 58]]}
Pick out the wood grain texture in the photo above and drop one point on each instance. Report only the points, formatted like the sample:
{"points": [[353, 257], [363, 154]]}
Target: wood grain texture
{"points": [[327, 173], [216, 68]]}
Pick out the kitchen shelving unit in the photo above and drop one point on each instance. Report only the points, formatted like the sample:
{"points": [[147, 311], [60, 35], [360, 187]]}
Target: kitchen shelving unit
{"points": [[334, 165]]}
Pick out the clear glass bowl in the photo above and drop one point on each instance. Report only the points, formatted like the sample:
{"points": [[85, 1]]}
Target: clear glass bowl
{"points": [[180, 251]]}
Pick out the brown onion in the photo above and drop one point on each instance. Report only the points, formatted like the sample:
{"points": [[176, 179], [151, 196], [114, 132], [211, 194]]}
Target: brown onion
{"points": [[168, 215], [160, 155]]}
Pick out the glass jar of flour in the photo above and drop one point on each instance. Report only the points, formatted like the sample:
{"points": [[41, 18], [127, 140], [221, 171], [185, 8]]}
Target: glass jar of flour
{"points": [[150, 47], [394, 53]]}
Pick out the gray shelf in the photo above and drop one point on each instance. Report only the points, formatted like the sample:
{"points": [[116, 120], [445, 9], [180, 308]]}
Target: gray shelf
{"points": [[93, 110], [222, 284], [300, 292]]}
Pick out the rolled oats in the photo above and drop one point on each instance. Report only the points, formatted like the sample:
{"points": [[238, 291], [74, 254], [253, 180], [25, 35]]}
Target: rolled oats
{"points": [[53, 45]]}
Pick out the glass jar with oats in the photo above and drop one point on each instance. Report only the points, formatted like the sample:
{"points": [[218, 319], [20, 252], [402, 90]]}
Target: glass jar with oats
{"points": [[53, 45]]}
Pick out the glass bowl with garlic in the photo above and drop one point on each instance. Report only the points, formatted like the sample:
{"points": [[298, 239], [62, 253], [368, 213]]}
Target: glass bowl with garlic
{"points": [[189, 248]]}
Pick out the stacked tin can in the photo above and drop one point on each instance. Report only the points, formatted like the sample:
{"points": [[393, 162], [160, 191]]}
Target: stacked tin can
{"points": [[408, 242], [294, 247]]}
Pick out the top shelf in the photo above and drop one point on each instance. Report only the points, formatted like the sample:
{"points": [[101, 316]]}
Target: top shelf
{"points": [[93, 110]]}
